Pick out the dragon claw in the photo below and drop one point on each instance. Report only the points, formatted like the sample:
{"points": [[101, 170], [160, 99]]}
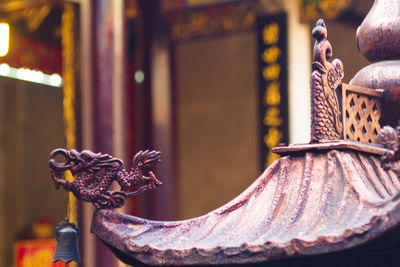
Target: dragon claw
{"points": [[153, 182], [154, 179], [57, 181]]}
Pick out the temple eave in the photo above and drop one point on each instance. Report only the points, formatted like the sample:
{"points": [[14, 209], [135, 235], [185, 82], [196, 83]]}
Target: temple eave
{"points": [[301, 205]]}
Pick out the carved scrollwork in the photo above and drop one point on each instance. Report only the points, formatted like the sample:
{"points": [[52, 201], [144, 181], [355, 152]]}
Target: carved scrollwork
{"points": [[95, 172], [325, 79], [389, 137]]}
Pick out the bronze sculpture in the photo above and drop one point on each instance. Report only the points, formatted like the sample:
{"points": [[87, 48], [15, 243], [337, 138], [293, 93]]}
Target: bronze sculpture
{"points": [[96, 172], [337, 192], [326, 77], [378, 40]]}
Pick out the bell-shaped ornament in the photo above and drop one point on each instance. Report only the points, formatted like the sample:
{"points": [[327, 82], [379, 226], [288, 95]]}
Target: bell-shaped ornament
{"points": [[67, 243]]}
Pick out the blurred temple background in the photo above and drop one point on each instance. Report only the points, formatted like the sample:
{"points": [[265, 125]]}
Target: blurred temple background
{"points": [[213, 84]]}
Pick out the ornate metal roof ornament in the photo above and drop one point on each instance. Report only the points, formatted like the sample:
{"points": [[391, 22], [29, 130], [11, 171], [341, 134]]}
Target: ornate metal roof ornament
{"points": [[96, 172], [325, 79], [337, 192]]}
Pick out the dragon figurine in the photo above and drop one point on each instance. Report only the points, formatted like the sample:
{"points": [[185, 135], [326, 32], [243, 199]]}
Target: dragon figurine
{"points": [[95, 172], [326, 77]]}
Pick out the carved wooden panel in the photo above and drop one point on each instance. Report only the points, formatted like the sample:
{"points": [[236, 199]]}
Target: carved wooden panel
{"points": [[361, 113]]}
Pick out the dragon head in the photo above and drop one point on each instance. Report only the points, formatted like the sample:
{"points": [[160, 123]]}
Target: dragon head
{"points": [[146, 159], [85, 161]]}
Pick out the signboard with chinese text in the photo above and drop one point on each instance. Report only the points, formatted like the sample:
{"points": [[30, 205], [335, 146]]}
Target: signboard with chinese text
{"points": [[273, 98], [32, 253], [212, 20]]}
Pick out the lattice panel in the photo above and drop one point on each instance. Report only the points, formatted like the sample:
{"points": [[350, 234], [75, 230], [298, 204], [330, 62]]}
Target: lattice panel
{"points": [[361, 114]]}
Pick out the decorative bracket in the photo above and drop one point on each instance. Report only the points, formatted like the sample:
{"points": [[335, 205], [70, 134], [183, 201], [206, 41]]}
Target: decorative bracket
{"points": [[325, 79]]}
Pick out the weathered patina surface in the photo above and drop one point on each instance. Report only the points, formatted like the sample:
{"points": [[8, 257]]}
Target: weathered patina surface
{"points": [[307, 204], [378, 39]]}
